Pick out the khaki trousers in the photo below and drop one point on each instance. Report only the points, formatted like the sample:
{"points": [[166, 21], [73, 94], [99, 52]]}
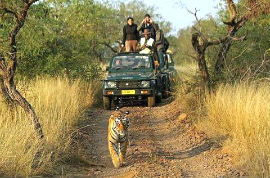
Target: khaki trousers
{"points": [[131, 45]]}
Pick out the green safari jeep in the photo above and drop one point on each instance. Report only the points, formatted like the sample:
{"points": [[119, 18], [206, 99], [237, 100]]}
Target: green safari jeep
{"points": [[131, 78]]}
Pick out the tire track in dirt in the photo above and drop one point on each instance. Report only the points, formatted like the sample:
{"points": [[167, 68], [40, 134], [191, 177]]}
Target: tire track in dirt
{"points": [[162, 144]]}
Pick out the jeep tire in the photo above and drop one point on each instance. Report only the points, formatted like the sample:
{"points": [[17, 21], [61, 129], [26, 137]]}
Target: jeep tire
{"points": [[107, 102], [165, 93], [158, 98], [151, 101]]}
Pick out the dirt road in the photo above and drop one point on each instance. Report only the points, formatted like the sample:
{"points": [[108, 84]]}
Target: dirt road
{"points": [[163, 143]]}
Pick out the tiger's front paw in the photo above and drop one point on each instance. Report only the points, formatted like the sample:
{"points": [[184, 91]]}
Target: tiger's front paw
{"points": [[122, 161], [117, 164]]}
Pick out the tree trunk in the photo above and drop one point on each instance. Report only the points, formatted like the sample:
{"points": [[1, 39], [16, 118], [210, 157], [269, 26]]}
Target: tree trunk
{"points": [[8, 64], [4, 94], [204, 70], [200, 46], [21, 101]]}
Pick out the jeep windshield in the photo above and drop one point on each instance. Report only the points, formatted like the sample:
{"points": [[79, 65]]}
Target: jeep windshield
{"points": [[131, 63]]}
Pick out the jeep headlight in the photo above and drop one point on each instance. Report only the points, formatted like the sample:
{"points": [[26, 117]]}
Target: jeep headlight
{"points": [[110, 84], [145, 84]]}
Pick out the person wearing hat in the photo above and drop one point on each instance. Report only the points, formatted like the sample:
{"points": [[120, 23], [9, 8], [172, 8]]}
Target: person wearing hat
{"points": [[147, 41], [130, 35], [148, 23]]}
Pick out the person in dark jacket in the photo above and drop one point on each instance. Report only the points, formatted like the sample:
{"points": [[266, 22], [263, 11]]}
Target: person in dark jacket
{"points": [[162, 46], [147, 23], [130, 35]]}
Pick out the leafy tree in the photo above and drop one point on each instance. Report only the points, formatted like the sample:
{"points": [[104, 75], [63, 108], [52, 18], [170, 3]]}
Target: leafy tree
{"points": [[236, 21], [72, 37]]}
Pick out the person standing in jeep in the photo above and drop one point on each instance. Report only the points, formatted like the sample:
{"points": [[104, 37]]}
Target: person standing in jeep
{"points": [[147, 23], [130, 35], [161, 45]]}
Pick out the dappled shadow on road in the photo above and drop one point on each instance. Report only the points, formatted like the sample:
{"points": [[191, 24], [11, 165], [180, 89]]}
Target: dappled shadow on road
{"points": [[183, 154], [188, 153], [166, 101]]}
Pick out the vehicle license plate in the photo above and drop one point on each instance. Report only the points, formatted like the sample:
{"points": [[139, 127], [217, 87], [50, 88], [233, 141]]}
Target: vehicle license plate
{"points": [[128, 92]]}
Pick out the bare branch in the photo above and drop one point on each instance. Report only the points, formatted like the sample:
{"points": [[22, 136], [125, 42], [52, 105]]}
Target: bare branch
{"points": [[196, 17], [241, 22], [109, 46], [243, 38], [219, 41], [216, 42], [242, 52], [6, 10], [199, 24], [191, 56], [264, 61]]}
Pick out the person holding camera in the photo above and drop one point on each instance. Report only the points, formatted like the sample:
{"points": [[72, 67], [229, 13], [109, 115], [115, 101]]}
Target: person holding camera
{"points": [[147, 23]]}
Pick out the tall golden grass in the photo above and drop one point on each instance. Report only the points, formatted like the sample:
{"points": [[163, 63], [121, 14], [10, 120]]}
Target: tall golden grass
{"points": [[242, 112], [59, 104]]}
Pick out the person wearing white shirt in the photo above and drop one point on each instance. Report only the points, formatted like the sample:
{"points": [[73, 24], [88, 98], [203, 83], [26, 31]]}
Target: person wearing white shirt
{"points": [[146, 43]]}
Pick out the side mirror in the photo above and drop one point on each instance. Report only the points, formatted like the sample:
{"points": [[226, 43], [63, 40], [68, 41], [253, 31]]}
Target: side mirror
{"points": [[107, 68]]}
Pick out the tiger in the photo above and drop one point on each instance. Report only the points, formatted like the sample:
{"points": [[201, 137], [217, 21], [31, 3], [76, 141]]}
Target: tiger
{"points": [[118, 137]]}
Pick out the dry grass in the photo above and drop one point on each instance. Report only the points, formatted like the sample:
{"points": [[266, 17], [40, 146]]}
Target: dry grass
{"points": [[187, 72], [188, 92], [59, 104], [242, 112]]}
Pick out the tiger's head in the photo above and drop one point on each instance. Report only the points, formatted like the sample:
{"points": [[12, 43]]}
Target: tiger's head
{"points": [[121, 122]]}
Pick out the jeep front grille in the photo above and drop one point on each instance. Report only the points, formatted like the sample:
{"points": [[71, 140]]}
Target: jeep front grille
{"points": [[128, 84]]}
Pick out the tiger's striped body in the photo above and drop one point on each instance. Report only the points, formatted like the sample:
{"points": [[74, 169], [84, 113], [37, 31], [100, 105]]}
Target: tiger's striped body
{"points": [[118, 138]]}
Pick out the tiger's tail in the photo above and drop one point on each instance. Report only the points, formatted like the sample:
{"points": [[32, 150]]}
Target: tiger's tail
{"points": [[114, 154]]}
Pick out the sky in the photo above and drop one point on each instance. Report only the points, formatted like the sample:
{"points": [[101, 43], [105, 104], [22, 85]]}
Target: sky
{"points": [[176, 11]]}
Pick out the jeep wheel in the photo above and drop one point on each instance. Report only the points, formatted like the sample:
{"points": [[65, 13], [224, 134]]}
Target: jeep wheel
{"points": [[107, 103], [158, 99], [165, 93], [151, 101]]}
